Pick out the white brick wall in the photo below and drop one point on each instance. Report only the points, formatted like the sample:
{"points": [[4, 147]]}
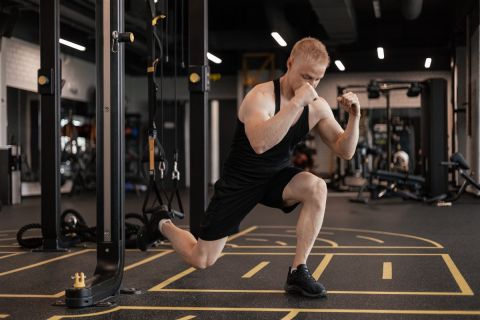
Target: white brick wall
{"points": [[22, 61]]}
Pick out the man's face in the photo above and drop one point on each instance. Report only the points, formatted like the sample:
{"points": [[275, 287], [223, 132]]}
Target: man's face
{"points": [[301, 71]]}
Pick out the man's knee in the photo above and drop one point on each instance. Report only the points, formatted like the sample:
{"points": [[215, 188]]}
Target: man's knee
{"points": [[317, 191], [204, 262]]}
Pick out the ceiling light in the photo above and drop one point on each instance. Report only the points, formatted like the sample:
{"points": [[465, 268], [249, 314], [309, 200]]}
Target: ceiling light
{"points": [[279, 39], [428, 62], [339, 65], [213, 58], [380, 53], [376, 8], [72, 45]]}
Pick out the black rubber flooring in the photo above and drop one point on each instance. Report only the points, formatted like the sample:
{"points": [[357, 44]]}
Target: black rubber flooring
{"points": [[386, 260]]}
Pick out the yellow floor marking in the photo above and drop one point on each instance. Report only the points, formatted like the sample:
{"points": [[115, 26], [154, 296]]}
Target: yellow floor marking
{"points": [[256, 239], [231, 245], [332, 243], [436, 244], [172, 279], [321, 267], [35, 296], [335, 254], [387, 271], [242, 233], [281, 243], [364, 311], [255, 269], [321, 232], [7, 239], [6, 231], [328, 247], [3, 316], [371, 239], [187, 318], [11, 255], [464, 287], [62, 293], [147, 260], [407, 293], [46, 262], [292, 314]]}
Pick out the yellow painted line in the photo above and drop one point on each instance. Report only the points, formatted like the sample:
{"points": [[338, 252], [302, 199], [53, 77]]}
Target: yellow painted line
{"points": [[371, 239], [187, 317], [46, 262], [329, 247], [436, 244], [412, 293], [35, 296], [256, 239], [335, 254], [292, 314], [462, 283], [172, 279], [363, 311], [255, 269], [62, 293], [147, 260], [332, 243], [242, 233], [231, 245], [321, 267], [3, 316], [281, 243], [11, 255], [387, 271]]}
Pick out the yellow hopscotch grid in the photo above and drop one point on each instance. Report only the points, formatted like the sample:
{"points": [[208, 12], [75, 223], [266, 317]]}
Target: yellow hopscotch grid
{"points": [[465, 289]]}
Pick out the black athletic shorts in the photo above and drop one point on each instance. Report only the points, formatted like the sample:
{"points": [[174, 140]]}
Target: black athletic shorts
{"points": [[232, 201]]}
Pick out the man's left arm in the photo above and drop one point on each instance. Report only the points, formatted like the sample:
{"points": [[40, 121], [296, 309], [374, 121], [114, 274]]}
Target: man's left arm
{"points": [[342, 142]]}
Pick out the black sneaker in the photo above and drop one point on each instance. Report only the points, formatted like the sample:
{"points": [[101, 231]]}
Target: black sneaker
{"points": [[150, 233], [301, 281]]}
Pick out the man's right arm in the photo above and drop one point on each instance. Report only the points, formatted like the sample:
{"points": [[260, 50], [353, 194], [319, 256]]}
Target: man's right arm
{"points": [[262, 131]]}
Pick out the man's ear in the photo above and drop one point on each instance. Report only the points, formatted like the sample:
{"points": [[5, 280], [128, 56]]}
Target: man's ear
{"points": [[289, 62]]}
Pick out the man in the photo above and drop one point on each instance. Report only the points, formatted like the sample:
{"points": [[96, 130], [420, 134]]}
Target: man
{"points": [[273, 117]]}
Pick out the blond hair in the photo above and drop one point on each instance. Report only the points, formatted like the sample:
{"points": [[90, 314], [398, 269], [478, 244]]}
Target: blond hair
{"points": [[310, 49]]}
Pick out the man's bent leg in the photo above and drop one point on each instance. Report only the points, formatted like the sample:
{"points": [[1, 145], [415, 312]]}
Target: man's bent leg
{"points": [[311, 191], [199, 254]]}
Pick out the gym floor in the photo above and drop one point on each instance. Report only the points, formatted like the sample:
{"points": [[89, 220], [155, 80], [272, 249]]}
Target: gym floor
{"points": [[385, 260]]}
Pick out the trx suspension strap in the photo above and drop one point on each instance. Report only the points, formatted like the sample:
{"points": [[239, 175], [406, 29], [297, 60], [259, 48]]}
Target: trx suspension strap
{"points": [[153, 143], [175, 172]]}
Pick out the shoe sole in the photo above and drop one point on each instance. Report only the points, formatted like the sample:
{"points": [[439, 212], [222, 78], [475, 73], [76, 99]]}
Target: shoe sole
{"points": [[298, 290]]}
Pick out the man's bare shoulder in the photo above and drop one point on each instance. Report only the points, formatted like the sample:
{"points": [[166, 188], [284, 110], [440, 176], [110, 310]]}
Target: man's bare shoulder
{"points": [[260, 98]]}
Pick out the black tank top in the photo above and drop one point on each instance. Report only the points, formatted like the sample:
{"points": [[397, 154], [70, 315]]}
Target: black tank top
{"points": [[245, 165]]}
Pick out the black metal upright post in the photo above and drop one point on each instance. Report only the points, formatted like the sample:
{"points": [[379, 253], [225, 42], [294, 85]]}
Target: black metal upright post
{"points": [[389, 130], [49, 76], [199, 86], [110, 157]]}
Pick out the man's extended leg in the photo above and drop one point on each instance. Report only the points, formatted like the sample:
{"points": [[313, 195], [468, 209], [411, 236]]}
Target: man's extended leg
{"points": [[199, 254]]}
